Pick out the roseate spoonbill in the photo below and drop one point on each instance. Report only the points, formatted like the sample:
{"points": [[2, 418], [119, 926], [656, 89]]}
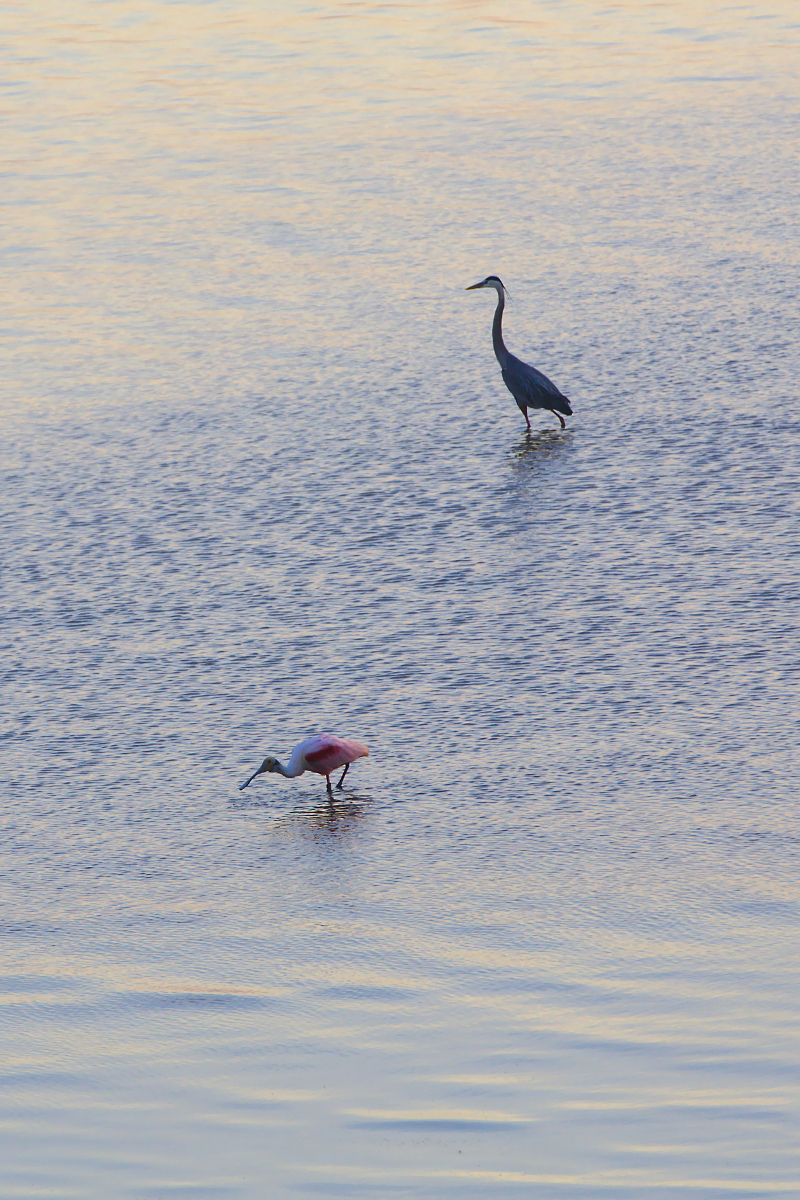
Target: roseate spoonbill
{"points": [[322, 753], [529, 387]]}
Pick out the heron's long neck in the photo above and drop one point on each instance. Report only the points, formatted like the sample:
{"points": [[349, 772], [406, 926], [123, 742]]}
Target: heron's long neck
{"points": [[497, 330]]}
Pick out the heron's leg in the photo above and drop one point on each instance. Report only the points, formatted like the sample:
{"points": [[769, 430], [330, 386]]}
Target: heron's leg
{"points": [[328, 785], [344, 772], [561, 419], [527, 419]]}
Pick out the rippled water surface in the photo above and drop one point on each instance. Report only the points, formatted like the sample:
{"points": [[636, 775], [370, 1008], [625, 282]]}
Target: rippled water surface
{"points": [[262, 479]]}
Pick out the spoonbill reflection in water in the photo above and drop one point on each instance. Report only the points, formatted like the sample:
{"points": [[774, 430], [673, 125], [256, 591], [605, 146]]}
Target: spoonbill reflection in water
{"points": [[322, 753], [529, 387]]}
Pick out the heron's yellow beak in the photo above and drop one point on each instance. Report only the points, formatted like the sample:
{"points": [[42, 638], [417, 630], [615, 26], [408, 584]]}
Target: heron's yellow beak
{"points": [[472, 287]]}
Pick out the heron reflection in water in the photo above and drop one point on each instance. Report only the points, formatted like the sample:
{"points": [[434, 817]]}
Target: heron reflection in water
{"points": [[529, 387]]}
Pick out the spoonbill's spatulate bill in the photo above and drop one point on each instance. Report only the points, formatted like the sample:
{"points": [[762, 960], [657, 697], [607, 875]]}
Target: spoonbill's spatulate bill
{"points": [[322, 753], [529, 387]]}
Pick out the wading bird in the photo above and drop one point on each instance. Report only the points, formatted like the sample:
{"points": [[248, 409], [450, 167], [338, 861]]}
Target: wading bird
{"points": [[323, 753], [529, 387]]}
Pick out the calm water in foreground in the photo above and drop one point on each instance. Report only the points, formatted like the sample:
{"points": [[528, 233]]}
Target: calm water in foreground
{"points": [[262, 479]]}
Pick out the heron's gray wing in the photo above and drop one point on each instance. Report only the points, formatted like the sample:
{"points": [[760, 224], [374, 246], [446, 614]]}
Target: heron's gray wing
{"points": [[530, 384]]}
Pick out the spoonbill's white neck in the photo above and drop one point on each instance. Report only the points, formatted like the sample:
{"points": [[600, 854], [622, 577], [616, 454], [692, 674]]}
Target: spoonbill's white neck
{"points": [[295, 766], [287, 772]]}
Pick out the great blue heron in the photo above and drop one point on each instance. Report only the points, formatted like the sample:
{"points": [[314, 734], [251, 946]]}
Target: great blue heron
{"points": [[529, 387], [323, 754]]}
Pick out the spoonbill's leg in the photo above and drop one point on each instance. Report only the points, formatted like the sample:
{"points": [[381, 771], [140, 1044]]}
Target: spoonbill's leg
{"points": [[344, 772], [328, 784], [561, 419]]}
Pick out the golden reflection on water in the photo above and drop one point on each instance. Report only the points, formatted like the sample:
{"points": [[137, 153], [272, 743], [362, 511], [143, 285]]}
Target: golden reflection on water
{"points": [[184, 155], [623, 1180], [332, 58], [174, 74]]}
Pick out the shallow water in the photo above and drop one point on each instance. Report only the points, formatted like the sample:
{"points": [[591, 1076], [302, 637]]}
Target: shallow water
{"points": [[262, 478]]}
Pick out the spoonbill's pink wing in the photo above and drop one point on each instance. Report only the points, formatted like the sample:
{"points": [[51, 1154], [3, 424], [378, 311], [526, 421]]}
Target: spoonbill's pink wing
{"points": [[327, 753], [353, 749]]}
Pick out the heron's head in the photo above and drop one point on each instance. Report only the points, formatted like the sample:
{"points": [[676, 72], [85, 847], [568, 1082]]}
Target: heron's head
{"points": [[490, 281]]}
